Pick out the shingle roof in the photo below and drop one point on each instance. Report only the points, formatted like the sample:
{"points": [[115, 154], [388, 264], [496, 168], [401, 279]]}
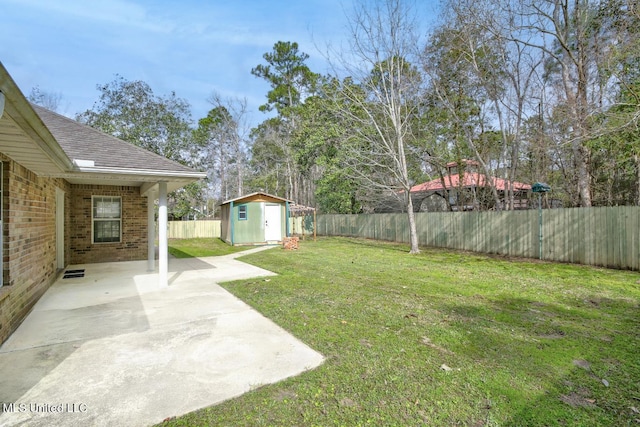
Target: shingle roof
{"points": [[82, 142], [468, 180]]}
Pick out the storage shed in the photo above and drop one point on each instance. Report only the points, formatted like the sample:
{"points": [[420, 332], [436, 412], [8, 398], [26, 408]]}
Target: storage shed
{"points": [[254, 219]]}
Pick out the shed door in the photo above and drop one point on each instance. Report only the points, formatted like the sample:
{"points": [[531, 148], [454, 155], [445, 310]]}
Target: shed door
{"points": [[272, 222]]}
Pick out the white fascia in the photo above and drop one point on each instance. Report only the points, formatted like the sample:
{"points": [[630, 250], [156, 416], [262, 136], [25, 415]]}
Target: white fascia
{"points": [[140, 172]]}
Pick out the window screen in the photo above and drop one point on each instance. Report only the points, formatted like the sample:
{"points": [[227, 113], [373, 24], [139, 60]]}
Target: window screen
{"points": [[107, 219], [242, 212]]}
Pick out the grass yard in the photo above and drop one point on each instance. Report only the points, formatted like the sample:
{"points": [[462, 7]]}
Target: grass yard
{"points": [[444, 339], [188, 248]]}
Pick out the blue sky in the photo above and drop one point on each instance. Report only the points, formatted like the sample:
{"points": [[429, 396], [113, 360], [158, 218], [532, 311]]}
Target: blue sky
{"points": [[192, 47]]}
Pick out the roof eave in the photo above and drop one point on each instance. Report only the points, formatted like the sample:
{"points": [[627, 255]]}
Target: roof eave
{"points": [[17, 106], [140, 172], [146, 180]]}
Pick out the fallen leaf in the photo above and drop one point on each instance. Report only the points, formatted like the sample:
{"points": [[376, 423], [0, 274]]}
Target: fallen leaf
{"points": [[426, 341], [347, 402], [582, 364], [365, 343]]}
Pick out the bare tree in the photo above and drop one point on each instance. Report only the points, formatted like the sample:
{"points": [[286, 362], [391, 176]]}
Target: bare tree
{"points": [[380, 100], [484, 80], [222, 139], [566, 36], [238, 130], [273, 159], [48, 100], [461, 60]]}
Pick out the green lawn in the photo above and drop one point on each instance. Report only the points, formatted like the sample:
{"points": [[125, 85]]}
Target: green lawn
{"points": [[188, 248], [443, 338]]}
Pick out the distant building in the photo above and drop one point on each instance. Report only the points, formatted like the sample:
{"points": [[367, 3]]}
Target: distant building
{"points": [[466, 190]]}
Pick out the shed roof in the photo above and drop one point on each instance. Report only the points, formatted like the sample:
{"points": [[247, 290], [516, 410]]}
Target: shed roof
{"points": [[255, 195]]}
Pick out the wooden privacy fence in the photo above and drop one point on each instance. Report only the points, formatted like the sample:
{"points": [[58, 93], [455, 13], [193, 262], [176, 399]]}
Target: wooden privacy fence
{"points": [[193, 229], [604, 236], [299, 226]]}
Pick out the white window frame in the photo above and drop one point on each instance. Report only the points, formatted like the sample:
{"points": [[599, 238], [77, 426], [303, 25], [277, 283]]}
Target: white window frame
{"points": [[105, 219], [243, 209]]}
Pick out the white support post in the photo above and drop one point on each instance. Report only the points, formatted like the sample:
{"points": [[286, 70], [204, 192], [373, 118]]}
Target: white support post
{"points": [[163, 259], [151, 234]]}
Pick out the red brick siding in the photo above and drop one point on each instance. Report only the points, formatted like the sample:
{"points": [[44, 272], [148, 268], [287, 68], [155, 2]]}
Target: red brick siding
{"points": [[29, 253], [29, 234], [134, 226]]}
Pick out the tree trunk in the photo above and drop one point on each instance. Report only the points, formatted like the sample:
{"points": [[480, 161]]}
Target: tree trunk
{"points": [[445, 190], [582, 166], [413, 233]]}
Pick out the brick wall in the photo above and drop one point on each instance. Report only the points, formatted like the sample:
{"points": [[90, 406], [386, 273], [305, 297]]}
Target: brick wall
{"points": [[29, 235], [29, 267], [134, 226]]}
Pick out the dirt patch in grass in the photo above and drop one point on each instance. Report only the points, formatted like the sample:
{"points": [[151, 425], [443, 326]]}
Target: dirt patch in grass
{"points": [[577, 400]]}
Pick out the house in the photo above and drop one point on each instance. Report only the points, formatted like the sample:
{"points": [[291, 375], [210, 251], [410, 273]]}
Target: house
{"points": [[466, 189], [254, 219], [72, 195]]}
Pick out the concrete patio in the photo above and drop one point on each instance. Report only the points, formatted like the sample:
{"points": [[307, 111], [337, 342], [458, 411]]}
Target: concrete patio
{"points": [[111, 348]]}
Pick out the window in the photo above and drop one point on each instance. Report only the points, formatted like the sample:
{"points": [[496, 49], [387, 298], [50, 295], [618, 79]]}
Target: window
{"points": [[242, 213], [107, 219]]}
